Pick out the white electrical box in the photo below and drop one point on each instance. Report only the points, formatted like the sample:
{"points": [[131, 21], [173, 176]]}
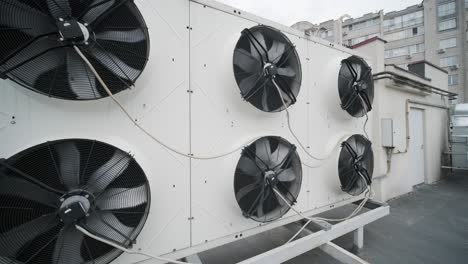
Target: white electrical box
{"points": [[387, 133]]}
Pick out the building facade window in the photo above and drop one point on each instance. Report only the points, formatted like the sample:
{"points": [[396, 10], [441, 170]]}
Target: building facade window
{"points": [[363, 24], [449, 61], [453, 79], [446, 9], [448, 24], [404, 34], [355, 41], [404, 51], [448, 43], [407, 20], [327, 34]]}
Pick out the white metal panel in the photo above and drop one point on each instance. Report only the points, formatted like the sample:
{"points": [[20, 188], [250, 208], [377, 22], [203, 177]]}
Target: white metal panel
{"points": [[159, 101], [222, 121], [416, 148], [214, 119]]}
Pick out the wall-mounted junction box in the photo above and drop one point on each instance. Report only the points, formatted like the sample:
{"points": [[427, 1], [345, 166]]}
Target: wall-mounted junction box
{"points": [[387, 133]]}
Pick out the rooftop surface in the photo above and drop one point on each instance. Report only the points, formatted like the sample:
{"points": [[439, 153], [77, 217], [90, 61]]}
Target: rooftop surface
{"points": [[426, 226]]}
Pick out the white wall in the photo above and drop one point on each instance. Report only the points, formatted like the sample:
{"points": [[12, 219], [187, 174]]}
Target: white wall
{"points": [[391, 101]]}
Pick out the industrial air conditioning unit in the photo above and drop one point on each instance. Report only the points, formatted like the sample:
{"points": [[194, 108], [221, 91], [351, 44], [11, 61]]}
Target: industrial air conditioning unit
{"points": [[195, 125]]}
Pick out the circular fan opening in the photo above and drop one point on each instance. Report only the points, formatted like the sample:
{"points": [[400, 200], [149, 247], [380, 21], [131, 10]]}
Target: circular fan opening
{"points": [[37, 46], [264, 54], [356, 165], [48, 189], [270, 163], [356, 86]]}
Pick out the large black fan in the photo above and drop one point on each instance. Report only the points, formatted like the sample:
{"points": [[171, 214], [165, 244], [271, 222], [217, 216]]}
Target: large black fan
{"points": [[356, 86], [264, 54], [48, 189], [356, 165], [37, 39], [270, 163]]}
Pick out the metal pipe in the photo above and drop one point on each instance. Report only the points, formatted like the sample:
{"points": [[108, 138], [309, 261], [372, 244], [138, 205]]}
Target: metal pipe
{"points": [[419, 85]]}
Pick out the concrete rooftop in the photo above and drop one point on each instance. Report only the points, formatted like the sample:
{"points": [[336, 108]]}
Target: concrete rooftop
{"points": [[429, 225]]}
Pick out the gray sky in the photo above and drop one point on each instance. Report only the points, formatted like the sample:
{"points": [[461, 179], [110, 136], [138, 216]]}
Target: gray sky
{"points": [[290, 11]]}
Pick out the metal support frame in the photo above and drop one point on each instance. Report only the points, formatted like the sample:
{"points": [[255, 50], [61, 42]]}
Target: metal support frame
{"points": [[322, 239]]}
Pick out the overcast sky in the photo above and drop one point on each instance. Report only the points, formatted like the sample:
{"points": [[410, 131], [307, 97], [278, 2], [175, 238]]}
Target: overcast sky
{"points": [[290, 11]]}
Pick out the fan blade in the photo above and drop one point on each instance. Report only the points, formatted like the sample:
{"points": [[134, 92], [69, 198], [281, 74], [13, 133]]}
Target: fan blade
{"points": [[24, 189], [265, 106], [13, 240], [261, 203], [115, 65], [247, 189], [106, 224], [263, 150], [287, 175], [247, 62], [122, 198], [247, 84], [59, 8], [261, 40], [82, 82], [36, 24], [99, 8], [288, 72], [69, 163], [109, 172], [248, 166], [29, 72], [68, 247], [276, 52], [130, 36], [280, 154], [281, 202]]}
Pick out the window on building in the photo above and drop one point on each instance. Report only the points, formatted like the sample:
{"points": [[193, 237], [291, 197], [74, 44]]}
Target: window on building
{"points": [[449, 61], [404, 34], [326, 34], [448, 43], [404, 51], [453, 79], [407, 20], [364, 24], [446, 9], [448, 24], [355, 41]]}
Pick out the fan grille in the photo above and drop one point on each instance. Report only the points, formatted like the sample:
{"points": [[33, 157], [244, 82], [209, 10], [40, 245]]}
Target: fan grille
{"points": [[263, 54], [36, 54], [37, 183], [356, 86], [270, 163], [356, 165]]}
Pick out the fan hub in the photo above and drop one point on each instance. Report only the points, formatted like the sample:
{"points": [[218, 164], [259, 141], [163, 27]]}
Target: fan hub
{"points": [[73, 31], [271, 178], [75, 206], [270, 70]]}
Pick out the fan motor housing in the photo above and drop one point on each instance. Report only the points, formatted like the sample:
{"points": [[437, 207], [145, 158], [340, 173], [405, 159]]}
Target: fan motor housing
{"points": [[73, 31], [75, 207]]}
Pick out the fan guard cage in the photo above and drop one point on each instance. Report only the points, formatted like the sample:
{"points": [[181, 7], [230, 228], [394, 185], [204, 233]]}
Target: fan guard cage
{"points": [[356, 86], [37, 183], [37, 48], [263, 54], [267, 164], [356, 165]]}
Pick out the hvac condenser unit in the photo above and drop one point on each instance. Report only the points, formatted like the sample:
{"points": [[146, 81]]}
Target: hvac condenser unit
{"points": [[170, 127]]}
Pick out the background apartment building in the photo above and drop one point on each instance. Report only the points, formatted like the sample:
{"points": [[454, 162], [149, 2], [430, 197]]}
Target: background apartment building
{"points": [[434, 31]]}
